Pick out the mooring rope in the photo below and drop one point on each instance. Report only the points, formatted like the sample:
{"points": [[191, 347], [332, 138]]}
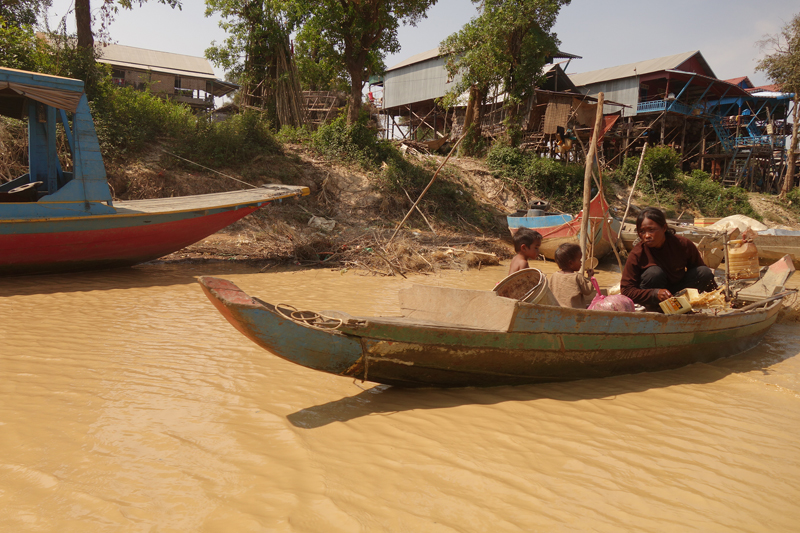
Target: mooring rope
{"points": [[210, 169], [308, 318]]}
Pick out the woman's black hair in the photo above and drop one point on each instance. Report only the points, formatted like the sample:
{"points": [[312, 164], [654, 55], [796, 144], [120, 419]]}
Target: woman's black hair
{"points": [[656, 215]]}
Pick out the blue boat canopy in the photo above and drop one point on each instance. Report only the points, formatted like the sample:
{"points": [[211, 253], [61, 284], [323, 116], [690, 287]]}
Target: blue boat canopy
{"points": [[43, 100]]}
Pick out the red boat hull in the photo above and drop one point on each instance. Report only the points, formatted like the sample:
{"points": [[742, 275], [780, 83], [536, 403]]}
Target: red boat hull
{"points": [[122, 241]]}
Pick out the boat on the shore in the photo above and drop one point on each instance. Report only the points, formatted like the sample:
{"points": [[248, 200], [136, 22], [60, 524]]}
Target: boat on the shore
{"points": [[458, 338], [55, 221], [773, 244], [557, 229]]}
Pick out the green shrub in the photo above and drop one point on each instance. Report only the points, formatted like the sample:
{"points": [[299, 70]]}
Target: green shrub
{"points": [[626, 173], [700, 174], [548, 178], [293, 135], [355, 143], [505, 159], [128, 120], [793, 199], [662, 163], [236, 140], [712, 199]]}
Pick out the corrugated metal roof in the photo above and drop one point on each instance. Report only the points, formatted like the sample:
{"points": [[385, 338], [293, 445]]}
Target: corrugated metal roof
{"points": [[434, 53], [632, 69], [419, 58], [141, 58]]}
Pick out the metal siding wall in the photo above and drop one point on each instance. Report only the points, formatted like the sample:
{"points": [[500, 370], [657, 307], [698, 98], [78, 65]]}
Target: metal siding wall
{"points": [[416, 83], [624, 91]]}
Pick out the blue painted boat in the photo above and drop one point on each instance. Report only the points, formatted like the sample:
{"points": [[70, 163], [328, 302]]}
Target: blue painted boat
{"points": [[456, 338], [559, 229], [54, 221]]}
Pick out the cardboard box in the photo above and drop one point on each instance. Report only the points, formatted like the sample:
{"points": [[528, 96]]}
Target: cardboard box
{"points": [[703, 222]]}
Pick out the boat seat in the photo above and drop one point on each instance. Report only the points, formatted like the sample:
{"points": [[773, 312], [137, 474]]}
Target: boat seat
{"points": [[458, 307], [23, 193]]}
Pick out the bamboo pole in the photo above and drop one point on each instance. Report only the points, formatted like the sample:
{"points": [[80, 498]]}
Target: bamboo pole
{"points": [[633, 188], [428, 186], [587, 179]]}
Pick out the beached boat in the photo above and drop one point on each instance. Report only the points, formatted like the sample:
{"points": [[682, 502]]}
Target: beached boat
{"points": [[773, 244], [55, 221], [456, 337], [563, 228]]}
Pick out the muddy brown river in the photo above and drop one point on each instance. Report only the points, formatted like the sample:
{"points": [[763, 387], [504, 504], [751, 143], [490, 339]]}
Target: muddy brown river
{"points": [[128, 403]]}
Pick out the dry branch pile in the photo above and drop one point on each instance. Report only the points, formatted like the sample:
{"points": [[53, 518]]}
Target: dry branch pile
{"points": [[268, 242]]}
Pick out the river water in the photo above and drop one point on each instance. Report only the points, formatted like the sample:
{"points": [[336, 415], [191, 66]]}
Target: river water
{"points": [[129, 404]]}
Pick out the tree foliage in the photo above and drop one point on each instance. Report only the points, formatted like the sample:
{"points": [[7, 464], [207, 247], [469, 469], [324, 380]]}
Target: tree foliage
{"points": [[22, 12], [506, 47], [319, 65], [782, 66], [255, 29], [357, 35]]}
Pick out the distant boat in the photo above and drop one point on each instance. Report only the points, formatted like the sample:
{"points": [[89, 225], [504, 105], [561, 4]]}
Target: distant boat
{"points": [[56, 221], [462, 338], [557, 229], [774, 243]]}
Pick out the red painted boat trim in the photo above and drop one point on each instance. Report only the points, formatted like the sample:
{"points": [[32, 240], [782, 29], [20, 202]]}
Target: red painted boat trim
{"points": [[105, 248]]}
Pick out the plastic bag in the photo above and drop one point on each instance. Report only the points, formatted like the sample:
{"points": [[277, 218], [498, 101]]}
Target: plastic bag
{"points": [[615, 302]]}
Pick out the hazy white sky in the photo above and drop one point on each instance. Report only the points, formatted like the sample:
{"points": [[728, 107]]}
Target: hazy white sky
{"points": [[605, 32]]}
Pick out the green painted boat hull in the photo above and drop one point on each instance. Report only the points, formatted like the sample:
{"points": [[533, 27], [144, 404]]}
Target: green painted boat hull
{"points": [[524, 343]]}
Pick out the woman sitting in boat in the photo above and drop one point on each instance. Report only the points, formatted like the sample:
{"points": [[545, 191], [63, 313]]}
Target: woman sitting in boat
{"points": [[662, 263]]}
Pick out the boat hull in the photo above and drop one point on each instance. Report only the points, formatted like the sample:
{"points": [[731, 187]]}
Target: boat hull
{"points": [[544, 343], [94, 243], [130, 233], [560, 229], [773, 247]]}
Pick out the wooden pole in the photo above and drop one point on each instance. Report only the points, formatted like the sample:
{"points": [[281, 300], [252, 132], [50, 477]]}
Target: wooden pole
{"points": [[633, 188], [428, 186], [587, 179]]}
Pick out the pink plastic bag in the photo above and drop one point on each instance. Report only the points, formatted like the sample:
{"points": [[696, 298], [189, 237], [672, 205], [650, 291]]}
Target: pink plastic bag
{"points": [[615, 302]]}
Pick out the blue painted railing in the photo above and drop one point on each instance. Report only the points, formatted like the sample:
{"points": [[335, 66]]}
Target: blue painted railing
{"points": [[756, 140], [655, 106]]}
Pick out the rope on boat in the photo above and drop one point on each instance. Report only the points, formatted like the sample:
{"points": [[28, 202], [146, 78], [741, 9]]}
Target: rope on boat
{"points": [[209, 169], [308, 318]]}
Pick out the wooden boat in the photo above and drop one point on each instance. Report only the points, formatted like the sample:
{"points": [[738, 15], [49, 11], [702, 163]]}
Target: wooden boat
{"points": [[53, 221], [559, 229], [457, 338], [773, 244]]}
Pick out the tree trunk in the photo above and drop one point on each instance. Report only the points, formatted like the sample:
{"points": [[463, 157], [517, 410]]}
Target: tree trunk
{"points": [[469, 116], [356, 71], [788, 183], [83, 19]]}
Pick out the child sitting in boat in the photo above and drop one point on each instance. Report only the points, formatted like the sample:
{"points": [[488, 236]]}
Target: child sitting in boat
{"points": [[569, 286], [526, 244]]}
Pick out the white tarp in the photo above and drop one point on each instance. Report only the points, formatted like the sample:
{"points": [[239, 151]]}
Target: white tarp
{"points": [[58, 98], [741, 222]]}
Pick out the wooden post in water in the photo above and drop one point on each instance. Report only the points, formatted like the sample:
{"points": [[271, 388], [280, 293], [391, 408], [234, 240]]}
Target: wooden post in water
{"points": [[587, 180]]}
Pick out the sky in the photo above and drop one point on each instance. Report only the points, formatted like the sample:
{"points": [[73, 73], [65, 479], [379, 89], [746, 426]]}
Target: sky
{"points": [[605, 33]]}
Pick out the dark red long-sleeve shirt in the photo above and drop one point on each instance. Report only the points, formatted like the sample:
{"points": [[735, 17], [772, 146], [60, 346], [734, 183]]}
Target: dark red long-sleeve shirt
{"points": [[674, 257]]}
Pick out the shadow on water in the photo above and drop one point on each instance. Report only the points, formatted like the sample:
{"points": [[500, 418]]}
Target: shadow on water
{"points": [[385, 399], [137, 277]]}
